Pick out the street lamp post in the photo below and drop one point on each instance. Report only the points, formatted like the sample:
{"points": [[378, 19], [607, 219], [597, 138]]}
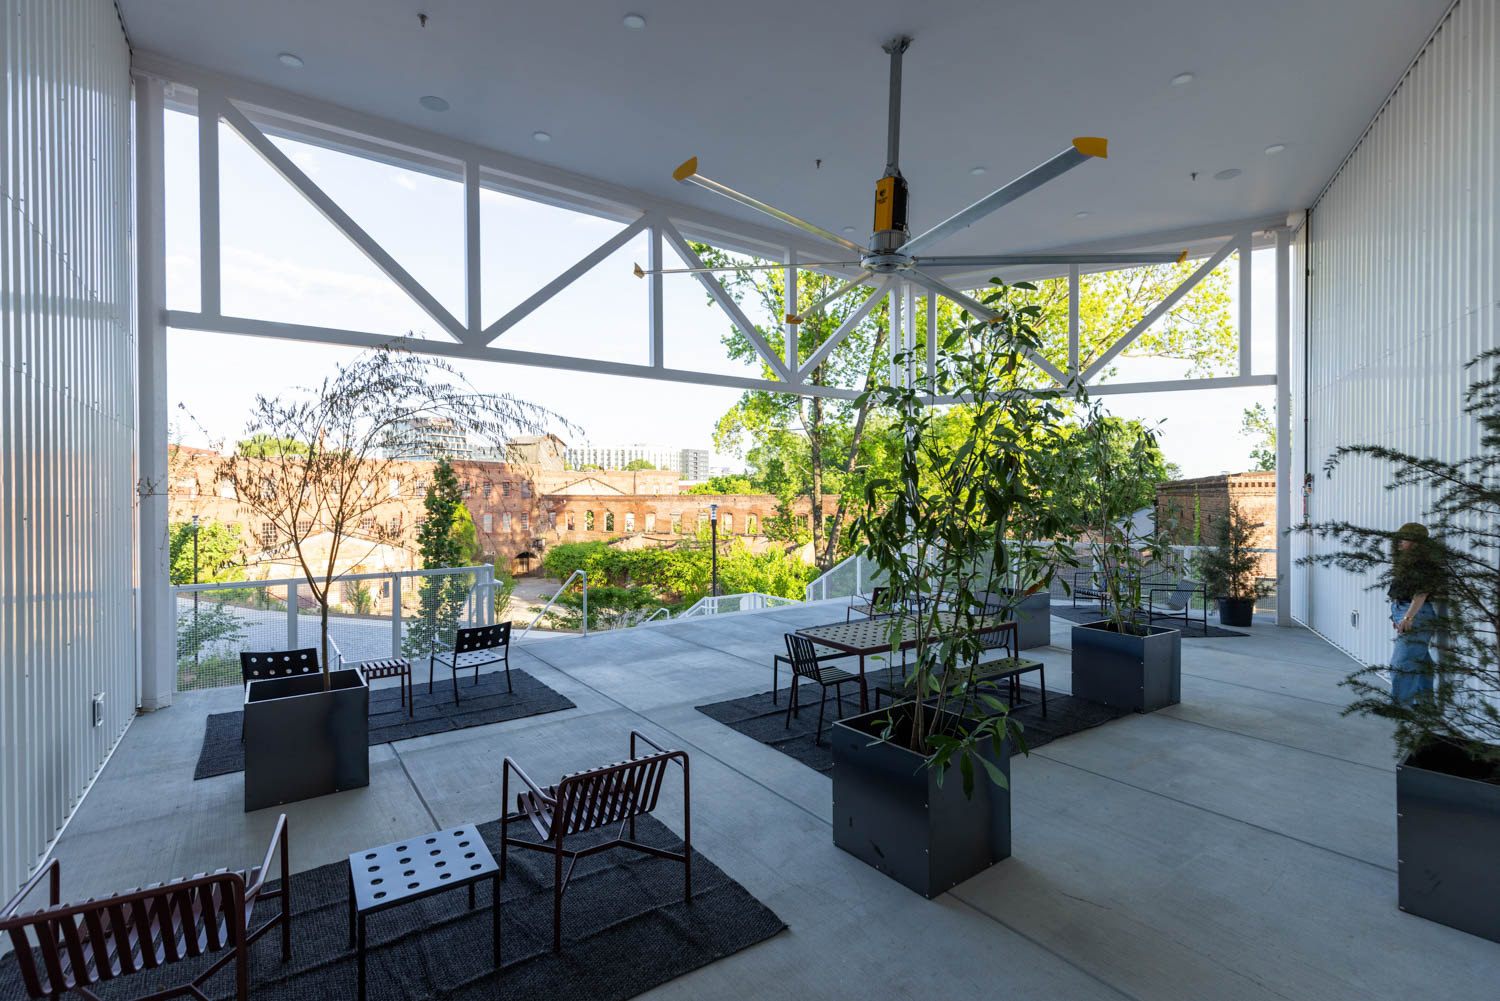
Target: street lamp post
{"points": [[195, 593], [713, 527]]}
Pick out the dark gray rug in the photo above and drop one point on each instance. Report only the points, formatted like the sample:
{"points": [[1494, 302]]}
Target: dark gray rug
{"points": [[486, 702], [756, 717], [1193, 630], [626, 929]]}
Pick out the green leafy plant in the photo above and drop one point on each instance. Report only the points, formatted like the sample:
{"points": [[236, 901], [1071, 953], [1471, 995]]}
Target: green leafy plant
{"points": [[1107, 495], [505, 591], [1230, 569], [208, 645], [938, 533], [443, 543], [1463, 519]]}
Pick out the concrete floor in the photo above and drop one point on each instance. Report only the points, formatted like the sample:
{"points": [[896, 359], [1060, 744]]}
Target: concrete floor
{"points": [[1239, 845]]}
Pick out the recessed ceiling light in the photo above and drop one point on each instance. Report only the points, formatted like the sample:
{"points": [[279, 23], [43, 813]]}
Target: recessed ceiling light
{"points": [[1182, 79], [433, 103], [290, 59], [1275, 148], [542, 137], [635, 22], [1080, 215], [976, 171], [848, 229], [1225, 175]]}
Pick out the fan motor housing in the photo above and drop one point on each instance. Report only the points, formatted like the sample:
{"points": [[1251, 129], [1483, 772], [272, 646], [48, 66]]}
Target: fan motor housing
{"points": [[890, 203]]}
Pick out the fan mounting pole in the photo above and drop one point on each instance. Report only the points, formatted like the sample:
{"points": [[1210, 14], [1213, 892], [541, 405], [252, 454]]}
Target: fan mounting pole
{"points": [[895, 47]]}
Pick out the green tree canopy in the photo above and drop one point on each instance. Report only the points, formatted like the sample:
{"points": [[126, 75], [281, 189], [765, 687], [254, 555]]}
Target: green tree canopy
{"points": [[1260, 424], [635, 465], [724, 485], [264, 445], [218, 552]]}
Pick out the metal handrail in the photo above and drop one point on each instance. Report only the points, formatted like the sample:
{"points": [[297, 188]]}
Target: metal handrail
{"points": [[660, 611], [227, 585], [565, 584]]}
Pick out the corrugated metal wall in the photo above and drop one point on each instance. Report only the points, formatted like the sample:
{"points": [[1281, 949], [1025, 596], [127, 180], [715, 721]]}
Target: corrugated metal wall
{"points": [[1403, 292], [67, 404]]}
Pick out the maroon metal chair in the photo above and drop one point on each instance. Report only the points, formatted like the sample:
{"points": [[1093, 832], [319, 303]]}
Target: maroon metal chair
{"points": [[587, 801], [73, 947]]}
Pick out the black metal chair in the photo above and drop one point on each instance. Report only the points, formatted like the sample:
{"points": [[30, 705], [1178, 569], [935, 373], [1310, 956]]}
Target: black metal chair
{"points": [[805, 662], [476, 648], [258, 666], [1178, 601], [781, 658], [878, 605]]}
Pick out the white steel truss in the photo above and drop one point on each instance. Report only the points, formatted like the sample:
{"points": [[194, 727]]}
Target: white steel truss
{"points": [[254, 110]]}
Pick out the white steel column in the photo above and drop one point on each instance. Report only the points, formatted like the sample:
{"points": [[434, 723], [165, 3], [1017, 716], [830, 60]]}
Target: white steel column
{"points": [[157, 614], [1074, 277], [208, 202], [655, 303], [473, 242], [791, 304], [1283, 425], [1247, 287]]}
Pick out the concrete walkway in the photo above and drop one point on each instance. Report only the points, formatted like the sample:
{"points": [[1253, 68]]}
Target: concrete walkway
{"points": [[1239, 845]]}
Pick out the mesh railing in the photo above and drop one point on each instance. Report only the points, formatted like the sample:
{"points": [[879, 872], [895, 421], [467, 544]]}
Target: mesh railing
{"points": [[370, 616]]}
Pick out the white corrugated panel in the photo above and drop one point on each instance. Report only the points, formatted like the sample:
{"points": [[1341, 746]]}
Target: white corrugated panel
{"points": [[1403, 292], [67, 403]]}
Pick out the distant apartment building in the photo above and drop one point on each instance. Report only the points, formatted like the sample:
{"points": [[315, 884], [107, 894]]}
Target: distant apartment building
{"points": [[689, 463], [428, 439]]}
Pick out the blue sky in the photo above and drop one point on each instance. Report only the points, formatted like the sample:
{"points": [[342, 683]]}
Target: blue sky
{"points": [[281, 260]]}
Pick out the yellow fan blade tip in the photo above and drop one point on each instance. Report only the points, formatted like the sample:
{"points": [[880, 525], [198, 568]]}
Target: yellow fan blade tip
{"points": [[638, 272], [1182, 257], [688, 169], [1092, 146], [793, 318]]}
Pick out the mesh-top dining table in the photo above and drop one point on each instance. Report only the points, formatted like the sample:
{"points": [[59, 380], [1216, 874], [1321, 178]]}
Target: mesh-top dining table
{"points": [[872, 636]]}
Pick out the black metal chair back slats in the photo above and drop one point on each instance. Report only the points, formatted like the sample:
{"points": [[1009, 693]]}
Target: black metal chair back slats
{"points": [[258, 666], [482, 638], [470, 647]]}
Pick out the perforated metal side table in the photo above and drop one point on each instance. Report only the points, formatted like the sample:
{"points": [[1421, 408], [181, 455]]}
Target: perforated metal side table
{"points": [[403, 871]]}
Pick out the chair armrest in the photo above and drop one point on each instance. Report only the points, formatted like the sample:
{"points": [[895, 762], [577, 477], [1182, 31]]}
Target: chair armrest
{"points": [[511, 766], [635, 735], [52, 870], [253, 890]]}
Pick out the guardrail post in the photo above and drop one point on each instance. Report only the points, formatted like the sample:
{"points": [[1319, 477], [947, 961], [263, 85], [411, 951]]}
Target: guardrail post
{"points": [[291, 616], [585, 606], [858, 581], [395, 615]]}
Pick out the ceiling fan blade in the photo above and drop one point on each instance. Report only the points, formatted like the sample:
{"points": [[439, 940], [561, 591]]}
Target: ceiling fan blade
{"points": [[688, 172], [1083, 148], [818, 304], [641, 272], [1007, 260]]}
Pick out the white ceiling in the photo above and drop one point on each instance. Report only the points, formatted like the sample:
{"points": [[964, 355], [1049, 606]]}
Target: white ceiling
{"points": [[760, 89]]}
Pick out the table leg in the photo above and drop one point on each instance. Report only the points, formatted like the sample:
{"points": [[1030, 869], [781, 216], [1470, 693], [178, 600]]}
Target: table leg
{"points": [[864, 694], [471, 896], [361, 957], [351, 908], [495, 915]]}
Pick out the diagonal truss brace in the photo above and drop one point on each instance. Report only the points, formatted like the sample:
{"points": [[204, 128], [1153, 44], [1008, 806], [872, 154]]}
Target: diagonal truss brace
{"points": [[1163, 307], [982, 311], [726, 302], [377, 254], [853, 320], [562, 281]]}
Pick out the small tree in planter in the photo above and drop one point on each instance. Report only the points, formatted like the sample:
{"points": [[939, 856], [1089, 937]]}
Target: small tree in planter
{"points": [[938, 534], [1121, 660], [320, 461], [1231, 570], [1448, 779]]}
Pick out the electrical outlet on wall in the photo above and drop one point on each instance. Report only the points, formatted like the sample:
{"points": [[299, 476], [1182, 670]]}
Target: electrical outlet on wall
{"points": [[1354, 617], [98, 708]]}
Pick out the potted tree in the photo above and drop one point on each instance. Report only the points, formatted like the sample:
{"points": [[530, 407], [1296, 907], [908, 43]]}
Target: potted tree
{"points": [[315, 469], [937, 533], [1230, 570], [1122, 660], [1448, 739]]}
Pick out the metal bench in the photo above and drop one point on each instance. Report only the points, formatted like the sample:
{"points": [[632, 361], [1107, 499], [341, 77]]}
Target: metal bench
{"points": [[74, 947], [392, 667], [591, 800], [999, 661], [474, 648]]}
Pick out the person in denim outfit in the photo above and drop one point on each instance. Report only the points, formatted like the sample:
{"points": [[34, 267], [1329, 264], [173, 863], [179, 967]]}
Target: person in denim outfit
{"points": [[1415, 583]]}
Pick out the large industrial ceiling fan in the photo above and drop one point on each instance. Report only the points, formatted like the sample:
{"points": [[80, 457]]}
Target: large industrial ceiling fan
{"points": [[892, 249]]}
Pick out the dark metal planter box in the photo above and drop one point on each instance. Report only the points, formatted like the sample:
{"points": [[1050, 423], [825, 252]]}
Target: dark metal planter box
{"points": [[301, 741], [1236, 612], [1143, 673], [1034, 620], [1448, 842], [889, 812]]}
